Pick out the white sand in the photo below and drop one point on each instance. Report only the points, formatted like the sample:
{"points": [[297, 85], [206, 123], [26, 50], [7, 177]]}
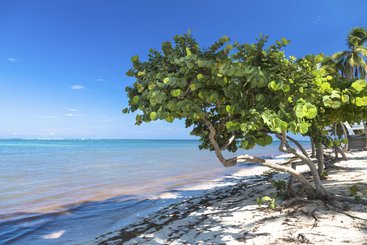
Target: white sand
{"points": [[230, 215]]}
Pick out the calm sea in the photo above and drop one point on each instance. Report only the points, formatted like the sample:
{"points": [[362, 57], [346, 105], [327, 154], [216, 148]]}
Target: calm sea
{"points": [[66, 191]]}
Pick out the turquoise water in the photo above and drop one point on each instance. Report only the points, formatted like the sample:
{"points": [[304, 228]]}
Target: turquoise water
{"points": [[48, 184]]}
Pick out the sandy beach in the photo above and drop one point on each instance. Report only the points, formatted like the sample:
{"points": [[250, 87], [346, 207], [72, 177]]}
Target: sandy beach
{"points": [[230, 214]]}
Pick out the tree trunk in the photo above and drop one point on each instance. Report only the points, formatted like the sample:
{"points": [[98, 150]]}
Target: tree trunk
{"points": [[320, 158], [345, 148], [290, 188], [312, 149], [319, 192], [300, 147], [309, 189], [365, 133], [336, 152], [344, 156]]}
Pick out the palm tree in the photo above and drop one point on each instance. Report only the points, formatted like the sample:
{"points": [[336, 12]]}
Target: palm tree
{"points": [[351, 63]]}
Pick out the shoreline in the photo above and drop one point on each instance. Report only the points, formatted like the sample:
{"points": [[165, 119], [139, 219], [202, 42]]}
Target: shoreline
{"points": [[64, 224], [230, 215]]}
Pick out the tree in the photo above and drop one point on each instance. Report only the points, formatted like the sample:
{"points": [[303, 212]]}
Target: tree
{"points": [[351, 63], [238, 95]]}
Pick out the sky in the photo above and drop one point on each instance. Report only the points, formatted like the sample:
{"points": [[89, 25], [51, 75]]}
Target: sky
{"points": [[63, 62]]}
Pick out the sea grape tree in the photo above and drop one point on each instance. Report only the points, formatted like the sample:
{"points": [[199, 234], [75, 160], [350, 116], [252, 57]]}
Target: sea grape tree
{"points": [[235, 96]]}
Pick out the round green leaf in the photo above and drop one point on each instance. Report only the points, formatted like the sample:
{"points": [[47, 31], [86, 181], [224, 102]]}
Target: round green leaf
{"points": [[176, 92], [153, 115]]}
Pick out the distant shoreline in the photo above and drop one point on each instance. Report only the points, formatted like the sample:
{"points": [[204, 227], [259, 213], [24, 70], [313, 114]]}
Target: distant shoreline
{"points": [[50, 139]]}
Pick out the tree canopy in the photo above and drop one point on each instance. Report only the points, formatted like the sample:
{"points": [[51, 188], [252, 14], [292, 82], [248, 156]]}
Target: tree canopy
{"points": [[237, 95]]}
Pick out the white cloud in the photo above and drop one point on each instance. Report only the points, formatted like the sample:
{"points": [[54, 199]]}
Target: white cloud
{"points": [[72, 115], [73, 110], [101, 80], [77, 87], [12, 60]]}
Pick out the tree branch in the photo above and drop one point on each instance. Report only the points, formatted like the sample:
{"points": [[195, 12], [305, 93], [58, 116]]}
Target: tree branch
{"points": [[298, 145], [229, 142]]}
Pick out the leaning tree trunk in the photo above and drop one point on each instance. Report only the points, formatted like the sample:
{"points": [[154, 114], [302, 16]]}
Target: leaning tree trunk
{"points": [[344, 156]]}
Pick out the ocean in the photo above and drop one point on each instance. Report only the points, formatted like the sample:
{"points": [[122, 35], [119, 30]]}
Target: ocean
{"points": [[68, 191]]}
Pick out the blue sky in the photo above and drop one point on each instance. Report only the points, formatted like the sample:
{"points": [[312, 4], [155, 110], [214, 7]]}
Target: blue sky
{"points": [[63, 62]]}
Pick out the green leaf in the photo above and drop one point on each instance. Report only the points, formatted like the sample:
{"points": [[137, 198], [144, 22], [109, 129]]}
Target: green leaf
{"points": [[359, 85], [345, 98], [303, 127], [153, 115], [229, 124], [258, 201], [335, 95], [286, 88], [327, 101], [170, 119], [311, 111], [176, 92], [200, 76], [244, 127], [361, 101], [193, 86], [166, 80], [299, 111], [272, 204], [266, 199], [268, 140], [272, 85], [335, 104], [224, 39], [151, 86], [135, 59], [141, 73], [284, 41], [135, 100], [229, 109], [325, 87], [188, 51]]}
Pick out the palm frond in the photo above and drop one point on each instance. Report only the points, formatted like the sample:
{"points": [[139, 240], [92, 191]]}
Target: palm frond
{"points": [[339, 55], [362, 51], [357, 37]]}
